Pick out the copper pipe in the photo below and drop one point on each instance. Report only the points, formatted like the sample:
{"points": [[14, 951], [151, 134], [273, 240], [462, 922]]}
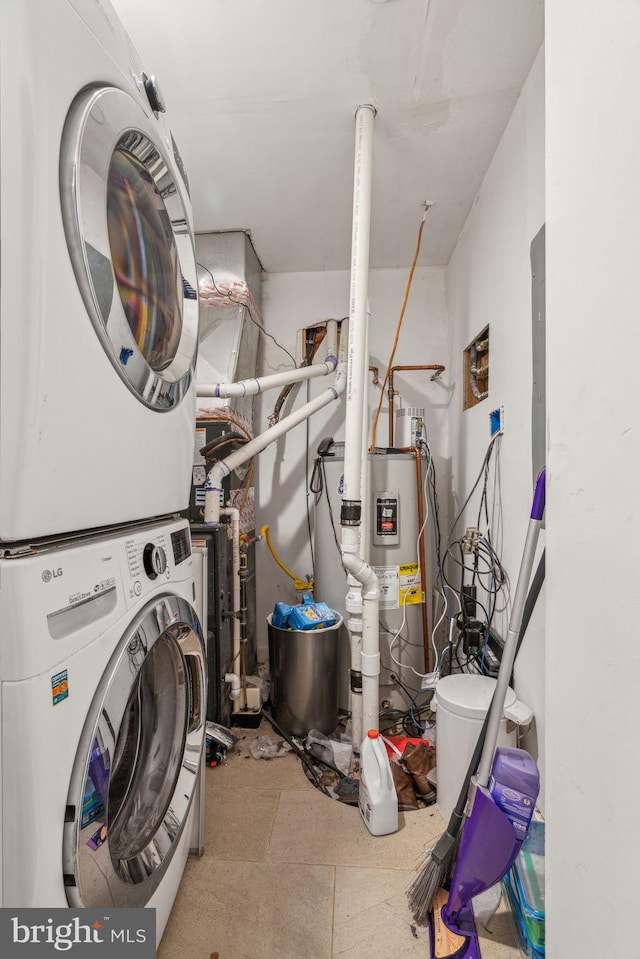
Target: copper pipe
{"points": [[374, 370], [391, 392]]}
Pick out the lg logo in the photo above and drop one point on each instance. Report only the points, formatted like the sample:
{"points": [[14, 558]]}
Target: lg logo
{"points": [[49, 574]]}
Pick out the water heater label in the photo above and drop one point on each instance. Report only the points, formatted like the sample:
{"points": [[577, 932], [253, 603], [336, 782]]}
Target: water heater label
{"points": [[410, 584], [387, 518], [388, 586]]}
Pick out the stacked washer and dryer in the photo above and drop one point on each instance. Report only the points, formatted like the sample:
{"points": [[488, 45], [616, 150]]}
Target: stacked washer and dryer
{"points": [[102, 666]]}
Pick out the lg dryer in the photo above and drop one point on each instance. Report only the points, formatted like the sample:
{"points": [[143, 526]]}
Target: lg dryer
{"points": [[98, 304]]}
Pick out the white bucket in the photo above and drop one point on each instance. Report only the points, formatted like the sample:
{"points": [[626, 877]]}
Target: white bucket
{"points": [[462, 701], [377, 799]]}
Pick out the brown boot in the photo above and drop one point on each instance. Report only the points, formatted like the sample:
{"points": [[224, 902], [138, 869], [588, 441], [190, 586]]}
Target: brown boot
{"points": [[404, 788], [420, 760]]}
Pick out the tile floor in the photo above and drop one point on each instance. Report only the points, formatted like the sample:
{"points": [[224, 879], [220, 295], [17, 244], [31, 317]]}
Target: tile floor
{"points": [[288, 873]]}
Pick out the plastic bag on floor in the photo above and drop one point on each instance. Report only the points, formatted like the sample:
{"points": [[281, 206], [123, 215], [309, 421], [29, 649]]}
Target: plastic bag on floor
{"points": [[264, 747], [331, 751]]}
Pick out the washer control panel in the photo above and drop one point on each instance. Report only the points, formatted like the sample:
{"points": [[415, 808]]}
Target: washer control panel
{"points": [[154, 560]]}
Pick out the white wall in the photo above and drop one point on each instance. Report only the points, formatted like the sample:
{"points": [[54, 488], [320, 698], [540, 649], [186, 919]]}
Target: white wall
{"points": [[489, 282], [593, 600], [295, 300]]}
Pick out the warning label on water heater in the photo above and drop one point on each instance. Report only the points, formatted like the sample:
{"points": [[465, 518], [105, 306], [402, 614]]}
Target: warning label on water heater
{"points": [[399, 585], [410, 584]]}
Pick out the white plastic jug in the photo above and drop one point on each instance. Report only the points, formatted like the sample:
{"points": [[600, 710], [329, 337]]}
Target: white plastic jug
{"points": [[377, 799]]}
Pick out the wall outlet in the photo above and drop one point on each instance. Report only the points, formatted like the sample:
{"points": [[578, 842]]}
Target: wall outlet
{"points": [[470, 539], [496, 420]]}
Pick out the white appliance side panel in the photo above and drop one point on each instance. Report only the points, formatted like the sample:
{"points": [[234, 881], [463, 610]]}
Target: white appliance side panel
{"points": [[77, 449], [39, 742]]}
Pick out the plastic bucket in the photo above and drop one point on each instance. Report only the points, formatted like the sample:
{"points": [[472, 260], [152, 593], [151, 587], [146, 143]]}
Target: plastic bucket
{"points": [[304, 678], [462, 701]]}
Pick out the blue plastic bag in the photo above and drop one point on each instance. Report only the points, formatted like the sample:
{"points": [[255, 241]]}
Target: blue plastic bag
{"points": [[311, 615]]}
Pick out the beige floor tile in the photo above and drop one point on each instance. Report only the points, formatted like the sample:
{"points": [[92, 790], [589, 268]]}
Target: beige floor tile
{"points": [[239, 822], [251, 911], [321, 830], [372, 918]]}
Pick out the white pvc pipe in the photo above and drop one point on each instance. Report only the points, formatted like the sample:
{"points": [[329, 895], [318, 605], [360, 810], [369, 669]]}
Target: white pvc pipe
{"points": [[358, 360], [353, 604], [234, 513], [234, 679], [213, 484], [362, 598], [287, 377], [365, 469]]}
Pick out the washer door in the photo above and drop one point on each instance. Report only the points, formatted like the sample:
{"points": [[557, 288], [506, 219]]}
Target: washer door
{"points": [[138, 760], [127, 226]]}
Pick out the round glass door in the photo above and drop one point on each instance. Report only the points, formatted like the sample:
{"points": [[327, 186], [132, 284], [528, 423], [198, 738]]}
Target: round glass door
{"points": [[125, 209], [138, 762]]}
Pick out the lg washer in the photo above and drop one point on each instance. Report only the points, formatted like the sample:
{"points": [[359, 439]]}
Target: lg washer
{"points": [[98, 304], [103, 691]]}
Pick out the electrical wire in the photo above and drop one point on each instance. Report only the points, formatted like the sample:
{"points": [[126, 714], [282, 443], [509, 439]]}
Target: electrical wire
{"points": [[398, 328], [227, 294]]}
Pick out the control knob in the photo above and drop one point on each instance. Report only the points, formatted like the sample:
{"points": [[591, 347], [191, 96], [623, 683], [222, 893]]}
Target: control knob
{"points": [[154, 559]]}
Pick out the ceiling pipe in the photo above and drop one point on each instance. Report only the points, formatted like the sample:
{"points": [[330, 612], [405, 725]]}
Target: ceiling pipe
{"points": [[363, 596], [213, 484], [286, 378]]}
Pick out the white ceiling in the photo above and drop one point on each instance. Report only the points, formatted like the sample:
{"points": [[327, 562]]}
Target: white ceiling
{"points": [[261, 96]]}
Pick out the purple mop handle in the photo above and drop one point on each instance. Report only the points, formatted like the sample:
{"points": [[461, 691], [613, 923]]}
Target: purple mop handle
{"points": [[515, 622], [539, 497]]}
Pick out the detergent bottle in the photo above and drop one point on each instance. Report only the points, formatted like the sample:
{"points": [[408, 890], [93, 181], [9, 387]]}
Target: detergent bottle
{"points": [[377, 798]]}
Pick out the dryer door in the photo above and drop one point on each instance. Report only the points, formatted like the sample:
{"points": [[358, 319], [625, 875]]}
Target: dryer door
{"points": [[126, 214], [137, 763]]}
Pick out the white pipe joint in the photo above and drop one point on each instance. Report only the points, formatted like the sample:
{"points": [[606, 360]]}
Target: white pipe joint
{"points": [[262, 384], [370, 664], [363, 573], [234, 679]]}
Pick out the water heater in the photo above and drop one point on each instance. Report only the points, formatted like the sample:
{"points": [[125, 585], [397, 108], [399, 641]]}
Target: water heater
{"points": [[393, 518]]}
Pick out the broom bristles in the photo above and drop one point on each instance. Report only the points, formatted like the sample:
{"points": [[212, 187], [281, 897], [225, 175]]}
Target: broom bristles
{"points": [[432, 871]]}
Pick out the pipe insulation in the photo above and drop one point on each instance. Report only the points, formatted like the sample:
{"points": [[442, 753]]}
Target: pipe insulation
{"points": [[263, 383], [363, 594], [213, 484]]}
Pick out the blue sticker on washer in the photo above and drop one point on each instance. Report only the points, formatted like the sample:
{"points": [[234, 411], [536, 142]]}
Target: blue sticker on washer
{"points": [[59, 687]]}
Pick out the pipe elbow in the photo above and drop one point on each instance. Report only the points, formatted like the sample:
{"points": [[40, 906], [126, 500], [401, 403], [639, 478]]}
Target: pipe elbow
{"points": [[363, 573], [234, 679], [340, 382]]}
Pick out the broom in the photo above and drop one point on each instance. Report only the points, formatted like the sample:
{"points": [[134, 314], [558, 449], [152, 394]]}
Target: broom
{"points": [[438, 859]]}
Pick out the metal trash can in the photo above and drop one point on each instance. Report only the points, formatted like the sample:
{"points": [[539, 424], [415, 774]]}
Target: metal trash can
{"points": [[304, 678]]}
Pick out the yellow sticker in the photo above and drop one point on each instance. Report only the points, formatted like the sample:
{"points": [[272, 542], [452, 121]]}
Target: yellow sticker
{"points": [[410, 584]]}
